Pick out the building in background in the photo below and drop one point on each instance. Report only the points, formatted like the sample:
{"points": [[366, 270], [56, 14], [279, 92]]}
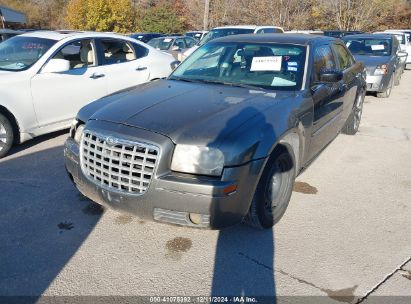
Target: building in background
{"points": [[10, 18]]}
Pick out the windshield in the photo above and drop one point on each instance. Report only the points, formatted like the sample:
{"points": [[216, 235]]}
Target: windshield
{"points": [[267, 66], [20, 53], [370, 47], [217, 33], [161, 43]]}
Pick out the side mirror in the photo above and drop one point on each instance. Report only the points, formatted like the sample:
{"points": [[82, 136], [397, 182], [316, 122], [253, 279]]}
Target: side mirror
{"points": [[176, 48], [57, 66], [330, 76]]}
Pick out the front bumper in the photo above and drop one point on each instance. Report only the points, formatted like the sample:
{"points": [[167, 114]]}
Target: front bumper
{"points": [[173, 197], [377, 83]]}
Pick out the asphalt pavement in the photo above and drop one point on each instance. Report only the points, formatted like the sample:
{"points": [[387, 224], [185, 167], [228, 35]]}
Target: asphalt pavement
{"points": [[346, 237]]}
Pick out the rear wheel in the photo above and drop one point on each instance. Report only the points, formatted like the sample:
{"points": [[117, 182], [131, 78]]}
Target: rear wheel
{"points": [[6, 135], [353, 122], [273, 192], [388, 90]]}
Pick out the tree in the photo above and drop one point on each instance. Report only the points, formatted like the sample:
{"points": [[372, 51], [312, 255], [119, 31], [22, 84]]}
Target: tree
{"points": [[162, 18], [101, 15]]}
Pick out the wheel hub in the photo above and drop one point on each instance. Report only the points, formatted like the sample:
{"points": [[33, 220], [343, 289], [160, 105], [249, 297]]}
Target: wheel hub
{"points": [[3, 136]]}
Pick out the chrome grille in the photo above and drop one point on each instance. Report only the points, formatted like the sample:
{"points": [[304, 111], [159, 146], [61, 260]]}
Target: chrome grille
{"points": [[118, 164]]}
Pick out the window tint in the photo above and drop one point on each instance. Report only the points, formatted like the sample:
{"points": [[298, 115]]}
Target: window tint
{"points": [[180, 43], [117, 51], [343, 57], [140, 50], [190, 42], [269, 31], [80, 54], [323, 60]]}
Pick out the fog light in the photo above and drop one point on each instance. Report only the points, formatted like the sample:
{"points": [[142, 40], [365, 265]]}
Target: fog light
{"points": [[196, 218]]}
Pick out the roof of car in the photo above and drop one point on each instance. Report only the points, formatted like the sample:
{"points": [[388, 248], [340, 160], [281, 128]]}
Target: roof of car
{"points": [[172, 37], [250, 27], [375, 36], [60, 35], [301, 39], [8, 31]]}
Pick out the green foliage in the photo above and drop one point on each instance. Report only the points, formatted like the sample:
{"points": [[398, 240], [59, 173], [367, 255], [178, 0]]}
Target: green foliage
{"points": [[100, 15], [162, 19]]}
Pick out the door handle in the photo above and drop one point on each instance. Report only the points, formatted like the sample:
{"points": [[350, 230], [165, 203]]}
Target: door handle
{"points": [[141, 68], [96, 76]]}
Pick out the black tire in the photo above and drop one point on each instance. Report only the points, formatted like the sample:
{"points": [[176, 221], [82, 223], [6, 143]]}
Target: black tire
{"points": [[353, 122], [267, 207], [6, 135], [388, 90]]}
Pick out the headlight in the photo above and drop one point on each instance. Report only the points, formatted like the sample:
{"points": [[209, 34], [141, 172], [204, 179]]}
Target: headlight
{"points": [[198, 160], [381, 70], [79, 132]]}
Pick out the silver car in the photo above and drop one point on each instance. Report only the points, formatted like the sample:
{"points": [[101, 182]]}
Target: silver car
{"points": [[173, 45], [383, 58]]}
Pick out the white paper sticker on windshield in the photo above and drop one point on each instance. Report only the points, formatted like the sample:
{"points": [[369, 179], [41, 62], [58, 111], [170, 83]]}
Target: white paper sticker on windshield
{"points": [[378, 47], [269, 63], [167, 40]]}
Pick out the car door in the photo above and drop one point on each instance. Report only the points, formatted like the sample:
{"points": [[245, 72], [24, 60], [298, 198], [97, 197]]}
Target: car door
{"points": [[350, 82], [57, 97], [328, 99], [124, 65]]}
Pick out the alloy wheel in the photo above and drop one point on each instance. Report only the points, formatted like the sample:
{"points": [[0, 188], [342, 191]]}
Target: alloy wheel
{"points": [[3, 136], [358, 111]]}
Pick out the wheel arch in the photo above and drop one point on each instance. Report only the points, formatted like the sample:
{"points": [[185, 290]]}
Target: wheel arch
{"points": [[13, 120]]}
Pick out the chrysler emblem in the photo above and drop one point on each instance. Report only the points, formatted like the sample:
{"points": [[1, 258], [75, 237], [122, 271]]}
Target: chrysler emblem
{"points": [[111, 141]]}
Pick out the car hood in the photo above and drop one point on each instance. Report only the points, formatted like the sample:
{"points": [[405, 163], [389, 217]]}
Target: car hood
{"points": [[191, 113]]}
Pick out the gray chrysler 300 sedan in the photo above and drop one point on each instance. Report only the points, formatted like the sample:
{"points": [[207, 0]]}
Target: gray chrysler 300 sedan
{"points": [[223, 138]]}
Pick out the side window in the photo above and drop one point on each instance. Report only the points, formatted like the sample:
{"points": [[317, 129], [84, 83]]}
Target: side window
{"points": [[268, 31], [180, 43], [323, 60], [190, 42], [80, 54], [343, 57], [140, 50], [117, 51]]}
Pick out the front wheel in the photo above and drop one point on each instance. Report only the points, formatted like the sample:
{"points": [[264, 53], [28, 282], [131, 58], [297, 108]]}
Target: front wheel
{"points": [[388, 90], [6, 135], [398, 79], [353, 122], [273, 192]]}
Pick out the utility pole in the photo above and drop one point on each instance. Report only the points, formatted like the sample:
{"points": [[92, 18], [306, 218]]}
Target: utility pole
{"points": [[206, 14]]}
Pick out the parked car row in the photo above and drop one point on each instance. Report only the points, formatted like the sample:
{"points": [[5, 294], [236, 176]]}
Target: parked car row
{"points": [[209, 142]]}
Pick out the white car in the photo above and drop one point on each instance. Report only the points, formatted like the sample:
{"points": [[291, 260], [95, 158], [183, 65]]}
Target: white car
{"points": [[47, 76], [404, 39], [223, 31]]}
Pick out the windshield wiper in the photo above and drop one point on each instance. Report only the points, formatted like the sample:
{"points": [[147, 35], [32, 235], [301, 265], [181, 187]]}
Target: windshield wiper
{"points": [[241, 85], [183, 79]]}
